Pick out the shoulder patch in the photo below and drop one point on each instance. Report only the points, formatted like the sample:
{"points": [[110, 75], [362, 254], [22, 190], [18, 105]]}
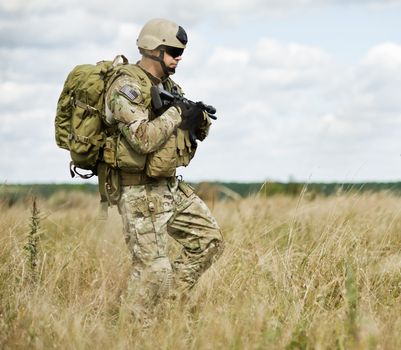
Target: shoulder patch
{"points": [[129, 92]]}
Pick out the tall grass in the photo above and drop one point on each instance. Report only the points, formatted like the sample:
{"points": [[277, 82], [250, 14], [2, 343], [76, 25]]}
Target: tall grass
{"points": [[296, 274]]}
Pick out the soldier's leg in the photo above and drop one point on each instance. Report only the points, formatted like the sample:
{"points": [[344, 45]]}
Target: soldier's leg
{"points": [[146, 236], [195, 228]]}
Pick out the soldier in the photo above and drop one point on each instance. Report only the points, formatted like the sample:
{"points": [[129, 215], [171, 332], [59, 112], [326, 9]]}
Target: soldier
{"points": [[153, 143]]}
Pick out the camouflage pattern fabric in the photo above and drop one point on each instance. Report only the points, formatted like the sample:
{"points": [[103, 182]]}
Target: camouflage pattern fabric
{"points": [[150, 213], [163, 207], [133, 116]]}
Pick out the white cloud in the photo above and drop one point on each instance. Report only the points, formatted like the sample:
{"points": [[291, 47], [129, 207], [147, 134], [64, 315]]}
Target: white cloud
{"points": [[224, 10], [283, 108], [26, 96], [272, 53], [223, 55], [301, 109], [73, 27], [386, 56], [27, 6]]}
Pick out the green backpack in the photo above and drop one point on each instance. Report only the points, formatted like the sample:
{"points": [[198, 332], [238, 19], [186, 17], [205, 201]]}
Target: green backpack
{"points": [[79, 125]]}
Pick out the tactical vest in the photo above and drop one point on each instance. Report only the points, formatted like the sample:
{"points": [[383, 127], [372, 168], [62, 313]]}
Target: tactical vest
{"points": [[132, 168]]}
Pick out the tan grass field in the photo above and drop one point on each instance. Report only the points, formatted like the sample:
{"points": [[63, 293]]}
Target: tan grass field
{"points": [[296, 273]]}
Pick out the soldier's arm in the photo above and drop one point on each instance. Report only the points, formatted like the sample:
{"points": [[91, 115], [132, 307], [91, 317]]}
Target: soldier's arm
{"points": [[125, 102]]}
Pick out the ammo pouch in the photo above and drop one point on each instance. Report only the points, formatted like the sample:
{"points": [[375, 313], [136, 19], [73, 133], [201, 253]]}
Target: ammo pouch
{"points": [[163, 162], [86, 137], [119, 154], [177, 151], [185, 149]]}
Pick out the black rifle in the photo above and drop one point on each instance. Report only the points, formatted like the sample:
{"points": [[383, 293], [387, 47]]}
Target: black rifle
{"points": [[162, 99]]}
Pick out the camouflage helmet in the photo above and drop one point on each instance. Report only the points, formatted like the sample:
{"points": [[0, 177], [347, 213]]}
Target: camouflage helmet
{"points": [[160, 31]]}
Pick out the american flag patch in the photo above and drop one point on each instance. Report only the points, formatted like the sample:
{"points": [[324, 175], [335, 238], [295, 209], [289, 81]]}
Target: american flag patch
{"points": [[129, 92]]}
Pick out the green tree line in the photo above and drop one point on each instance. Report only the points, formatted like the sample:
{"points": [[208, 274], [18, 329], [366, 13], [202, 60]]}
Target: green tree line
{"points": [[12, 193]]}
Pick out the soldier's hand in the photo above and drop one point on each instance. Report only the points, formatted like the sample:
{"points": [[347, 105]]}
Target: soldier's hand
{"points": [[192, 116]]}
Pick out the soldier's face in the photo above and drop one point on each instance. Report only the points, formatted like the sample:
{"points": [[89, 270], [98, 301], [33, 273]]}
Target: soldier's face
{"points": [[171, 62]]}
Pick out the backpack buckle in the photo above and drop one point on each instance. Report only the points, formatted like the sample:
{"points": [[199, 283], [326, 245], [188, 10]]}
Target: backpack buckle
{"points": [[74, 171], [79, 138]]}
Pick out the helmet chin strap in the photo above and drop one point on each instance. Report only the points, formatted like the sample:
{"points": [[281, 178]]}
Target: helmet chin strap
{"points": [[167, 71]]}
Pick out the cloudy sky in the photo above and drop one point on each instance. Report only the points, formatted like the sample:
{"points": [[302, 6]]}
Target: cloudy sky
{"points": [[305, 89]]}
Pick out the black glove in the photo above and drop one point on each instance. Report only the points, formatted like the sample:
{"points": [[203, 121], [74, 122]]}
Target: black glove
{"points": [[191, 114], [200, 133]]}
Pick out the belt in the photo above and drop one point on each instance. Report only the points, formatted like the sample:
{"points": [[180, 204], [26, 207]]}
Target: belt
{"points": [[132, 179]]}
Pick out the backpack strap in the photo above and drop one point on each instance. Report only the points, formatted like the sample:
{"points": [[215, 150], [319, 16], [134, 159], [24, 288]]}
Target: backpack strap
{"points": [[104, 202], [74, 171], [85, 106], [119, 60], [98, 140], [133, 70]]}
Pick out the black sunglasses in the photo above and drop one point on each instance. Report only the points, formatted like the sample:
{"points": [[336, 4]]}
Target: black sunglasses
{"points": [[174, 51]]}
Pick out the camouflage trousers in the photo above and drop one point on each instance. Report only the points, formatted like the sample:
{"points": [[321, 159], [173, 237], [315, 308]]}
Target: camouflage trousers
{"points": [[150, 213]]}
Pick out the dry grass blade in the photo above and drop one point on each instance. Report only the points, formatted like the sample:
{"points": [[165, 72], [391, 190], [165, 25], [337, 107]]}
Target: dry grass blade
{"points": [[297, 273]]}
